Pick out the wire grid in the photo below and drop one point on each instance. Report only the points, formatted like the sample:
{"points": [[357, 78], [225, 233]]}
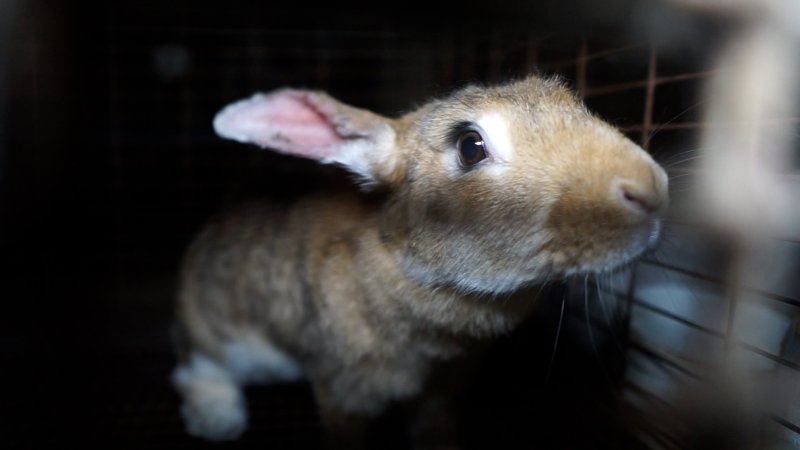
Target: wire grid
{"points": [[646, 130]]}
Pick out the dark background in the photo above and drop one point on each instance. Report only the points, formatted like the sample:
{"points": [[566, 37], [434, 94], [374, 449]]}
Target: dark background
{"points": [[109, 165]]}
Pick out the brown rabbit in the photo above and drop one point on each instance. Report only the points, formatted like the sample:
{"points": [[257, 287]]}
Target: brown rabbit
{"points": [[486, 193]]}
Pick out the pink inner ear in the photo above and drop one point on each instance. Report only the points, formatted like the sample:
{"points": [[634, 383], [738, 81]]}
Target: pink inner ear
{"points": [[286, 121]]}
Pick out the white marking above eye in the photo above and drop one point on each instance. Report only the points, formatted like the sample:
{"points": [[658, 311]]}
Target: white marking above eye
{"points": [[497, 137]]}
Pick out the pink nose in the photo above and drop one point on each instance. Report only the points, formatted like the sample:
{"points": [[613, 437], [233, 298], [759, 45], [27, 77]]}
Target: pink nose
{"points": [[642, 200]]}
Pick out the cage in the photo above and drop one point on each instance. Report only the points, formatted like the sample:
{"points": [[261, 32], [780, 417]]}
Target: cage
{"points": [[110, 166]]}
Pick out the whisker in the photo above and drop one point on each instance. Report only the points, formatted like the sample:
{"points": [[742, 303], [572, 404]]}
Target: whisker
{"points": [[558, 335], [541, 287], [676, 190], [684, 160], [674, 118], [603, 309], [679, 175], [591, 333], [686, 152]]}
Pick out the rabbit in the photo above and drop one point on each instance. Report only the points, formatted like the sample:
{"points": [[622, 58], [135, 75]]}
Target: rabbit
{"points": [[461, 209]]}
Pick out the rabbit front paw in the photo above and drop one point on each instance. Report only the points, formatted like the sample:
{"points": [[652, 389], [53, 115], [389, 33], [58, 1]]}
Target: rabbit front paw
{"points": [[213, 404]]}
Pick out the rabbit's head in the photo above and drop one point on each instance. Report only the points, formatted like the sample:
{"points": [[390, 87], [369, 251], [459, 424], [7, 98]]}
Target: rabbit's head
{"points": [[489, 189]]}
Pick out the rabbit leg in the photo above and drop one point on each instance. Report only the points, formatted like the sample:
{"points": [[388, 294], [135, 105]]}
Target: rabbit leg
{"points": [[213, 404]]}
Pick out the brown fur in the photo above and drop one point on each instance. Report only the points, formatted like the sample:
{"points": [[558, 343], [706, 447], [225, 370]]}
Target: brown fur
{"points": [[367, 290]]}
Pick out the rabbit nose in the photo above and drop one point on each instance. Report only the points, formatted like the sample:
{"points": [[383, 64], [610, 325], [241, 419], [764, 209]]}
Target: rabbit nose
{"points": [[642, 197]]}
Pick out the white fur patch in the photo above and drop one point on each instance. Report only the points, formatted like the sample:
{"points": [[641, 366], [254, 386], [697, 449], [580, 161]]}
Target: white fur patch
{"points": [[254, 360], [213, 406], [494, 131], [655, 233], [199, 366], [370, 160], [498, 137], [357, 157]]}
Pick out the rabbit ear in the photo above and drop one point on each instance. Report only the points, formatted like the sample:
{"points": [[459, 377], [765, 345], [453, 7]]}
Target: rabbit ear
{"points": [[316, 126]]}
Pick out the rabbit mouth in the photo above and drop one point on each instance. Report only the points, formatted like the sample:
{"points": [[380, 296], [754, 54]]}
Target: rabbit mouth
{"points": [[605, 253], [645, 238]]}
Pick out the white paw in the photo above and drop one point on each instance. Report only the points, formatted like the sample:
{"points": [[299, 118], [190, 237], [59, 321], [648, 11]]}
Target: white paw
{"points": [[215, 414], [213, 406]]}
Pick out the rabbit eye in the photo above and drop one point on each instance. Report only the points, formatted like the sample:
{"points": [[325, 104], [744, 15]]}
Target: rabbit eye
{"points": [[471, 148]]}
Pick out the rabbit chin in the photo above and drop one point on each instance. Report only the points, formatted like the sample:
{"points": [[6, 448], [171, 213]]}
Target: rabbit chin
{"points": [[562, 264], [644, 238], [543, 266]]}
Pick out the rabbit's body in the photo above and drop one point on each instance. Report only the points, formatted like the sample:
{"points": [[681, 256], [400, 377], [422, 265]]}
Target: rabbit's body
{"points": [[314, 280], [482, 196]]}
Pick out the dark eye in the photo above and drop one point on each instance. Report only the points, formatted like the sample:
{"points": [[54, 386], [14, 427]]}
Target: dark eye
{"points": [[471, 148]]}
